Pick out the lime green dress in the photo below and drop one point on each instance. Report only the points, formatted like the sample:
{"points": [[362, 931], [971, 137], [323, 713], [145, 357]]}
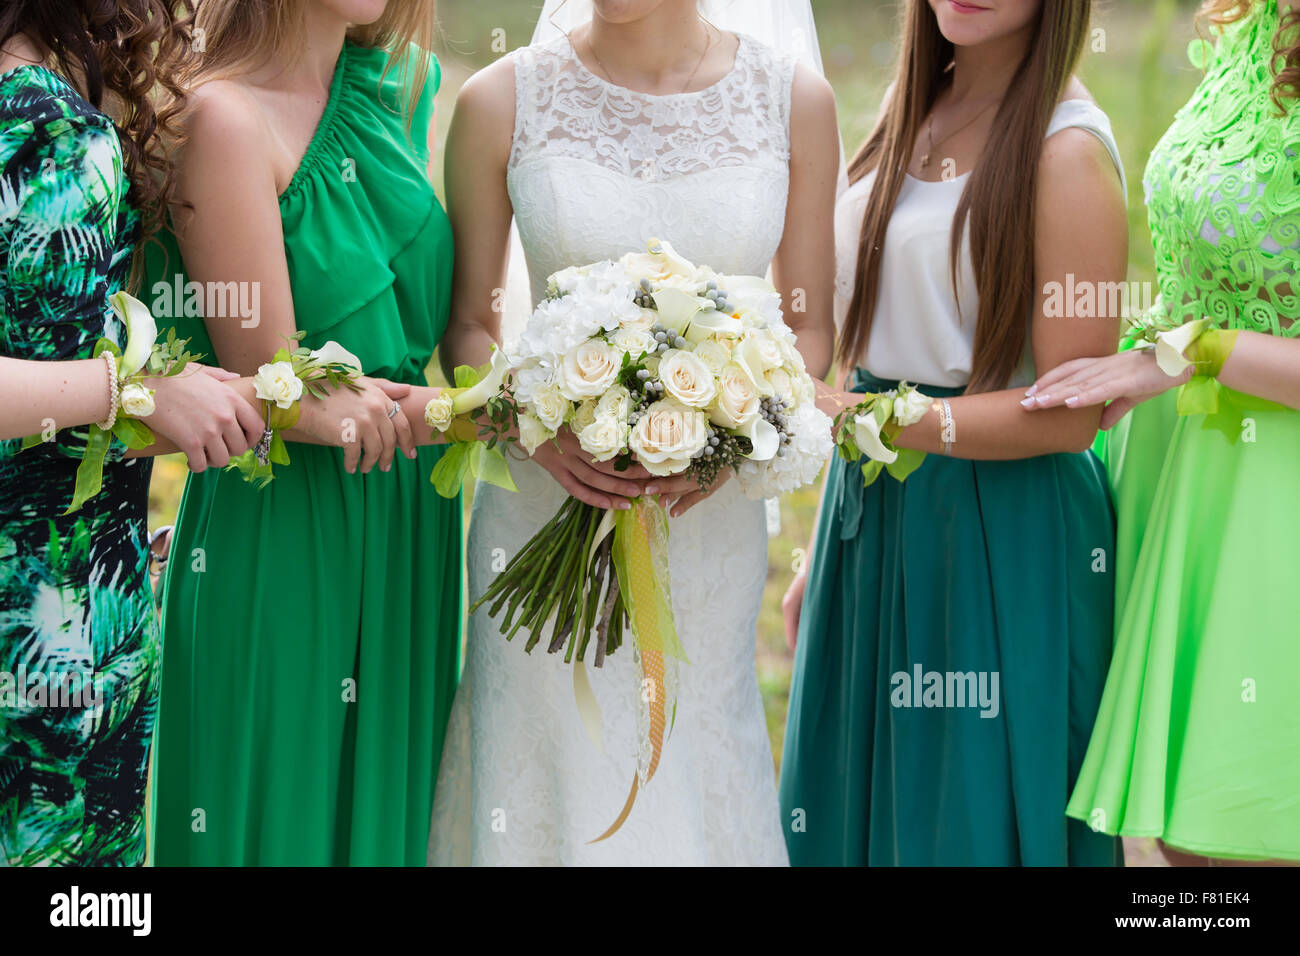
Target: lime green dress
{"points": [[311, 629], [1198, 736]]}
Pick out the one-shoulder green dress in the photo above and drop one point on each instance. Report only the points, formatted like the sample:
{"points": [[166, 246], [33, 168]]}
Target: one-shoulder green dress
{"points": [[1198, 735], [311, 628]]}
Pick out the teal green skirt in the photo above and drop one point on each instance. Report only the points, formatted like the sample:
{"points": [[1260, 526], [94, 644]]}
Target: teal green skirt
{"points": [[953, 648]]}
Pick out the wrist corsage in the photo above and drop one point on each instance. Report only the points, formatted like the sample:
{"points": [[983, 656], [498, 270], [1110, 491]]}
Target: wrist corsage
{"points": [[280, 385], [130, 399], [474, 450], [871, 427], [1197, 345]]}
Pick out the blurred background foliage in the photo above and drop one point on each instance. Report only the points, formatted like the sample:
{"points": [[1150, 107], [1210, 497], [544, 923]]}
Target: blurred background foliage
{"points": [[1136, 67]]}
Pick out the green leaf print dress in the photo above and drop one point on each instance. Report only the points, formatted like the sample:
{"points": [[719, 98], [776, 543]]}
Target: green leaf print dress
{"points": [[312, 628], [1197, 739], [78, 639]]}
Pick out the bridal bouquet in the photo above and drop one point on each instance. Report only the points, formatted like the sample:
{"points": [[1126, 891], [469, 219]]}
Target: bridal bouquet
{"points": [[655, 361]]}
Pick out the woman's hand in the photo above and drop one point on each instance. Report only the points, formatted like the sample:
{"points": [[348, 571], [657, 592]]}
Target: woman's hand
{"points": [[591, 482], [680, 493], [792, 608], [203, 417], [362, 422], [1125, 380]]}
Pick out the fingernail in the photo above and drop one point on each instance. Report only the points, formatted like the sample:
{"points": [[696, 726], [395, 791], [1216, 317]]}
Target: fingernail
{"points": [[1033, 390], [623, 505], [1042, 399], [1072, 400], [651, 490], [1028, 403]]}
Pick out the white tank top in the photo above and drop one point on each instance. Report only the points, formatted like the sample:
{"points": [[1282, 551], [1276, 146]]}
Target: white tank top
{"points": [[923, 332]]}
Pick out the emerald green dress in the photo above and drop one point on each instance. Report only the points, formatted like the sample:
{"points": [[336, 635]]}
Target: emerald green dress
{"points": [[311, 629], [1198, 735]]}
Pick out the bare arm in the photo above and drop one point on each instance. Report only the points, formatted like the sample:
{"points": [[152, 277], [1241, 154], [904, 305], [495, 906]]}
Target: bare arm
{"points": [[804, 266], [1081, 229]]}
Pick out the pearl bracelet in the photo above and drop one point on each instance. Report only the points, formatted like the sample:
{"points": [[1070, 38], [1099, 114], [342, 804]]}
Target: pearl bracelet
{"points": [[114, 392]]}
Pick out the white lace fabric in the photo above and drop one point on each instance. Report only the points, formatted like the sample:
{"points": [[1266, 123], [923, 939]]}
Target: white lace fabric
{"points": [[596, 170]]}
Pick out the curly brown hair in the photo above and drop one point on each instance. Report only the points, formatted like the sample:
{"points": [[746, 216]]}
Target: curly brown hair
{"points": [[118, 54], [1286, 42]]}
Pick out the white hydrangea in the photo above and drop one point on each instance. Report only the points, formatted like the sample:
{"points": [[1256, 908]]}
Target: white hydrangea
{"points": [[801, 463]]}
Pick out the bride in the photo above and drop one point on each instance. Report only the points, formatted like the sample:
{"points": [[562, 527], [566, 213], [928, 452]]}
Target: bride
{"points": [[627, 120]]}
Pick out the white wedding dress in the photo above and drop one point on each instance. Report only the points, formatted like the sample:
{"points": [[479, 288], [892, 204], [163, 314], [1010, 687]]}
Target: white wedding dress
{"points": [[596, 170]]}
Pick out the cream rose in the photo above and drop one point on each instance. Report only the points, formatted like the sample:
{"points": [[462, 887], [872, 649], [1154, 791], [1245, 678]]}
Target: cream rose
{"points": [[636, 342], [438, 413], [137, 401], [686, 378], [910, 409], [667, 436], [714, 354], [584, 415], [276, 382], [604, 438], [532, 433], [616, 403], [550, 406], [782, 386], [758, 354], [588, 369], [736, 403]]}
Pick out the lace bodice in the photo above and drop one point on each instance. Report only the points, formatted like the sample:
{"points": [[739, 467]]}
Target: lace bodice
{"points": [[1223, 194], [595, 169]]}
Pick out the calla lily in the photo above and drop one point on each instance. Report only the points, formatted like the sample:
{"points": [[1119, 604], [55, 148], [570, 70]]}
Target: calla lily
{"points": [[331, 353], [1171, 346], [748, 356], [867, 434], [670, 262], [476, 396], [141, 332], [677, 309], [712, 322], [765, 438]]}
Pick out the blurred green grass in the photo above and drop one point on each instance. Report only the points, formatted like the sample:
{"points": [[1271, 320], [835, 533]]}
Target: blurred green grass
{"points": [[1136, 68]]}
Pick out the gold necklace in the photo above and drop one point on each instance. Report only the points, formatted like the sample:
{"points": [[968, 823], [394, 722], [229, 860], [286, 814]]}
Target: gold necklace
{"points": [[925, 158], [708, 45]]}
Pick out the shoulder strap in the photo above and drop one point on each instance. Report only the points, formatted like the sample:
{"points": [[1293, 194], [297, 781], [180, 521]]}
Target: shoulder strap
{"points": [[1082, 114]]}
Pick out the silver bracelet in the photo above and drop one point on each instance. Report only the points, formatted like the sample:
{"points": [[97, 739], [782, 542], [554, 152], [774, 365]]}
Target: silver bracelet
{"points": [[114, 392], [948, 432]]}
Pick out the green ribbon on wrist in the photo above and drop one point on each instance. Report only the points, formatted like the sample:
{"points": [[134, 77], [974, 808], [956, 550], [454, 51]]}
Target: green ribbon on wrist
{"points": [[1210, 351]]}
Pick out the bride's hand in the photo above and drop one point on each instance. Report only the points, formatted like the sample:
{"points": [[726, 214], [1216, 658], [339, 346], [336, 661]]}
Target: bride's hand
{"points": [[680, 493], [591, 482], [376, 431]]}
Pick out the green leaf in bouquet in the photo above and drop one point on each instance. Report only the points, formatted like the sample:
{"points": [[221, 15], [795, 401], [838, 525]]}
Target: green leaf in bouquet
{"points": [[871, 470], [90, 473], [31, 441], [449, 473], [133, 433], [909, 459], [491, 466]]}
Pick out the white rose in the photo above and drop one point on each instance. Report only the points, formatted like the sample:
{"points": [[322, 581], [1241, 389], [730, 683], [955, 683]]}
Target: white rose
{"points": [[686, 378], [782, 386], [550, 406], [667, 436], [590, 368], [714, 354], [532, 433], [439, 413], [642, 320], [737, 400], [758, 354], [137, 401], [276, 382], [616, 403], [584, 415], [603, 439], [911, 408], [636, 342]]}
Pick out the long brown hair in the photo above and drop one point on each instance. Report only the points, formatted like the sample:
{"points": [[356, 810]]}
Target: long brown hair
{"points": [[998, 203], [118, 54], [1218, 14], [236, 36]]}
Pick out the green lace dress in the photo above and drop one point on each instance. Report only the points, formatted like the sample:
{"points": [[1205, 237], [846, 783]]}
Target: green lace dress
{"points": [[78, 639], [1198, 736], [312, 628]]}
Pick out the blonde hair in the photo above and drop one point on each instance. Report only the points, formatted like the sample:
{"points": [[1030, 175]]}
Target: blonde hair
{"points": [[233, 37]]}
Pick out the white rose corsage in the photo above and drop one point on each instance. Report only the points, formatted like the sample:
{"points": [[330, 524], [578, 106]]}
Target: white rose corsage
{"points": [[130, 399], [474, 451], [870, 428], [280, 384]]}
